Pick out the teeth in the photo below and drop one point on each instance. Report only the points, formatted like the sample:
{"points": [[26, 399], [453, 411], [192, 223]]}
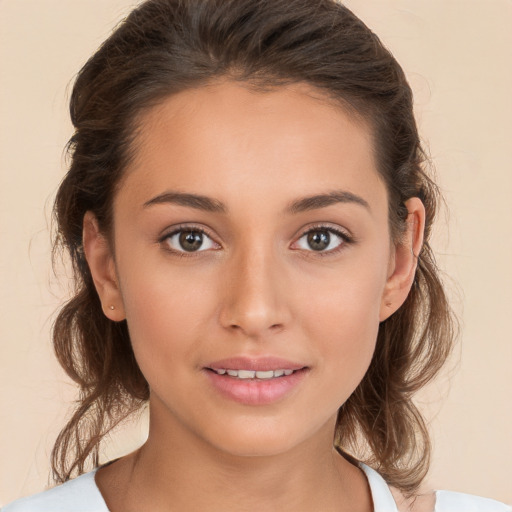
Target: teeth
{"points": [[245, 374], [265, 375], [251, 374]]}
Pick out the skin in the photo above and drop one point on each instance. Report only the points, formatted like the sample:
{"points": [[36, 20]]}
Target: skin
{"points": [[255, 288]]}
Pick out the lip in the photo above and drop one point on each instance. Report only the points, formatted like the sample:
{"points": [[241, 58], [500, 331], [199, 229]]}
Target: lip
{"points": [[255, 364], [253, 391]]}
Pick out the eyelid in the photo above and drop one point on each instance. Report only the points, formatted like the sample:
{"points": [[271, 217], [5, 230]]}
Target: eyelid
{"points": [[344, 234], [186, 227]]}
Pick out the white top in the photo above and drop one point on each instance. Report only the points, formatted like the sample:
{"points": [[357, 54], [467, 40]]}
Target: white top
{"points": [[82, 495]]}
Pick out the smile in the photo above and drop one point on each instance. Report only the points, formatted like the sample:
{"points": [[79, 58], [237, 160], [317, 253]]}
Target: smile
{"points": [[251, 374], [255, 387]]}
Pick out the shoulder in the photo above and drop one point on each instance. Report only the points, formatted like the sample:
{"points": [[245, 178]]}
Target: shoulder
{"points": [[389, 499], [448, 501], [78, 495]]}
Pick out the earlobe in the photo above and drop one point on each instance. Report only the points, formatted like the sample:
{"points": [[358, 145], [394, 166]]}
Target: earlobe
{"points": [[100, 259], [404, 261]]}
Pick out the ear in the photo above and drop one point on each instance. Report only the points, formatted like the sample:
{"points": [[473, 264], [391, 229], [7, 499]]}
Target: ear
{"points": [[404, 260], [101, 264]]}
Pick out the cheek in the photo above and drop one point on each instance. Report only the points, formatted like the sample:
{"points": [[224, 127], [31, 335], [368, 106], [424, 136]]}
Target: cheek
{"points": [[346, 326], [348, 298], [343, 321], [165, 312]]}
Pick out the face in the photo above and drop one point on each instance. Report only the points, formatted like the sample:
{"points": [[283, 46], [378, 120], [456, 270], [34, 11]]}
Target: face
{"points": [[252, 262]]}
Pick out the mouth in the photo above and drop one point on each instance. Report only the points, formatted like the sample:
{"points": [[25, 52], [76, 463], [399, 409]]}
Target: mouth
{"points": [[253, 374], [255, 381]]}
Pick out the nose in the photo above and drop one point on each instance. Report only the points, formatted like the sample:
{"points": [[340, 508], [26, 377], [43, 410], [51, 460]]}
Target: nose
{"points": [[254, 299]]}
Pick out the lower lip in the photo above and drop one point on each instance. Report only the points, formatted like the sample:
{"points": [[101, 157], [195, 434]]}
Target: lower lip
{"points": [[254, 391]]}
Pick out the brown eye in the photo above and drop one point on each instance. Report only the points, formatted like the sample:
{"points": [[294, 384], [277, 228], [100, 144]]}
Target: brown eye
{"points": [[189, 240], [318, 240], [324, 240]]}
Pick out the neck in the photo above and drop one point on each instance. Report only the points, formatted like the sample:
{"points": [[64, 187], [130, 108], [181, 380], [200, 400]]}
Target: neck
{"points": [[176, 470]]}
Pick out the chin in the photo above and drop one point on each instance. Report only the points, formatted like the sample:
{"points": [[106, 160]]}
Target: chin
{"points": [[265, 439], [256, 446]]}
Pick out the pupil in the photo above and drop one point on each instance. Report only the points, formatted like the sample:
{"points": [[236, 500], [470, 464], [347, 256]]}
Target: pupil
{"points": [[319, 240], [191, 240]]}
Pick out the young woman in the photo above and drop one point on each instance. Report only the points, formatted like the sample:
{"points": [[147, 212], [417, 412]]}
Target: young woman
{"points": [[248, 214]]}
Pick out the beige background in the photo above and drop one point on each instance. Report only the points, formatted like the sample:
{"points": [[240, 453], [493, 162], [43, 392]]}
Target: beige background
{"points": [[457, 55]]}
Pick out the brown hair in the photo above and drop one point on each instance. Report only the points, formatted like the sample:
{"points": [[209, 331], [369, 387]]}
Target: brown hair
{"points": [[165, 46]]}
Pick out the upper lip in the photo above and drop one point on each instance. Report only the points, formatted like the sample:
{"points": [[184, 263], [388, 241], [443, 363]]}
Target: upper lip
{"points": [[255, 364]]}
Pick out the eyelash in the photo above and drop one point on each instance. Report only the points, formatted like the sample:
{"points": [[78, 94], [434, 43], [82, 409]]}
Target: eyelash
{"points": [[179, 229], [346, 240], [345, 237]]}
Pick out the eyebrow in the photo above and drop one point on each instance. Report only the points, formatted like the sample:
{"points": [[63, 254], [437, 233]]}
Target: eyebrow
{"points": [[323, 200], [303, 204], [196, 201]]}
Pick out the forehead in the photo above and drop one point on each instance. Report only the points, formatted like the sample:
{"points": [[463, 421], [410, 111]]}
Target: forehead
{"points": [[226, 139]]}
